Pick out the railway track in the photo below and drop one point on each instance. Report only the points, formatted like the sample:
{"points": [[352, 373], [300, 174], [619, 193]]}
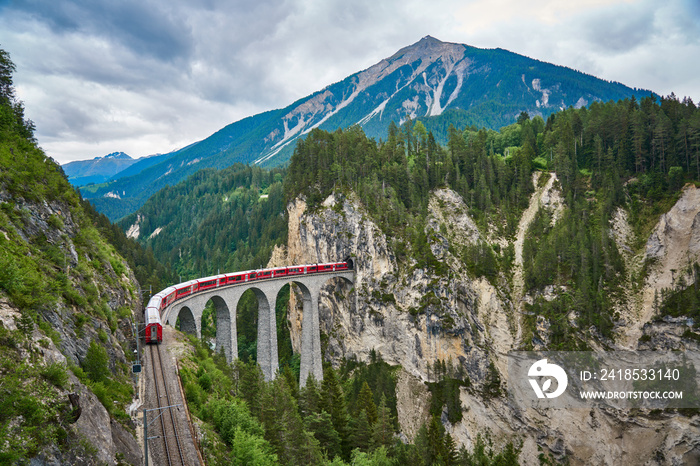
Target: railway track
{"points": [[168, 423]]}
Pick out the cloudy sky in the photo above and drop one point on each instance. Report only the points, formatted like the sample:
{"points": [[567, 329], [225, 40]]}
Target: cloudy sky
{"points": [[150, 76]]}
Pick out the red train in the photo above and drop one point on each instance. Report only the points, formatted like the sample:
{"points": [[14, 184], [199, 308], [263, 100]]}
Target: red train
{"points": [[162, 299]]}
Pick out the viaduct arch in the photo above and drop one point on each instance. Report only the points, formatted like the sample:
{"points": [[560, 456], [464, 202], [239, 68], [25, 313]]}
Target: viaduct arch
{"points": [[225, 300]]}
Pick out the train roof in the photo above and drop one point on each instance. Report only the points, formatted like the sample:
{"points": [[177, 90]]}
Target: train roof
{"points": [[206, 279], [155, 301]]}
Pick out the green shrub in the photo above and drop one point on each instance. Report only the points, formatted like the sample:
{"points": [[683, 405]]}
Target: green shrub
{"points": [[96, 363], [50, 332], [56, 374], [103, 394], [55, 222]]}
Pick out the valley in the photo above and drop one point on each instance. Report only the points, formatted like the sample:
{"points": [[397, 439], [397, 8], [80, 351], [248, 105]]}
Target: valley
{"points": [[564, 219]]}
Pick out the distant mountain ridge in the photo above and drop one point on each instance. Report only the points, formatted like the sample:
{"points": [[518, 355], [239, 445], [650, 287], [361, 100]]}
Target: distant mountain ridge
{"points": [[438, 82], [97, 170]]}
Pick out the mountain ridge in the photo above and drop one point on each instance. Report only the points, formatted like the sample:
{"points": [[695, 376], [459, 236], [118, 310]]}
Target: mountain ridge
{"points": [[98, 169], [431, 80]]}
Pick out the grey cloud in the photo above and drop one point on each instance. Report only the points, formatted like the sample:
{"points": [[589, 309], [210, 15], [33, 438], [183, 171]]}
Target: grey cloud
{"points": [[619, 29], [147, 27]]}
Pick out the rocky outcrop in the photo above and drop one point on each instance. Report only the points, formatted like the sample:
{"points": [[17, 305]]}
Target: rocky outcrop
{"points": [[98, 306], [671, 249], [414, 316]]}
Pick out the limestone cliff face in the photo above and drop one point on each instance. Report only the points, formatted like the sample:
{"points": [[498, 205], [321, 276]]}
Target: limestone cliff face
{"points": [[413, 318], [410, 317]]}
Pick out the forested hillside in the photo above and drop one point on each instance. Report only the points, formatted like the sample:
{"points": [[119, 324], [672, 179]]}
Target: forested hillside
{"points": [[214, 221], [69, 297], [636, 154]]}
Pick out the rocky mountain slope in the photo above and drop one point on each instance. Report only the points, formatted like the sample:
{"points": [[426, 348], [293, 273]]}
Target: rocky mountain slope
{"points": [[437, 81], [67, 313], [68, 301], [414, 318]]}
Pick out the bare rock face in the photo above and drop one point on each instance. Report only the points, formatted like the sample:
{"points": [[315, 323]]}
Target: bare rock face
{"points": [[414, 317], [672, 247], [412, 404]]}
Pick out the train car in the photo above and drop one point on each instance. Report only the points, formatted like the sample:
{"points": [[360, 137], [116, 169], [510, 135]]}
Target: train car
{"points": [[222, 280], [279, 272], [168, 297], [185, 289], [207, 283], [341, 266], [156, 301], [326, 267], [296, 270], [234, 278], [154, 327]]}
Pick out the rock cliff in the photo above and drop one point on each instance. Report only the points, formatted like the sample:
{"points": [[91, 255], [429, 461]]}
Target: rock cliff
{"points": [[85, 293], [414, 317]]}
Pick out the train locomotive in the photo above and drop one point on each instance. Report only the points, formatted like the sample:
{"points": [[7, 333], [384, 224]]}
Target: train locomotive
{"points": [[164, 298]]}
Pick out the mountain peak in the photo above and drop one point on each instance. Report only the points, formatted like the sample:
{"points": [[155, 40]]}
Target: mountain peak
{"points": [[117, 156], [482, 87], [429, 40]]}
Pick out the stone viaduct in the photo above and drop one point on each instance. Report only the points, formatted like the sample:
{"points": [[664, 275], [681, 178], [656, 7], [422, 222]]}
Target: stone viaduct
{"points": [[225, 300]]}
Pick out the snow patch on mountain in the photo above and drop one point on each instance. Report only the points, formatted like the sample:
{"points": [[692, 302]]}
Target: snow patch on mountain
{"points": [[410, 107]]}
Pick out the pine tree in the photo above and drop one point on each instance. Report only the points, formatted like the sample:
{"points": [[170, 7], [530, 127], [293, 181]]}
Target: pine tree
{"points": [[383, 429], [321, 426], [284, 428], [333, 402], [361, 432], [250, 385], [365, 402], [310, 398]]}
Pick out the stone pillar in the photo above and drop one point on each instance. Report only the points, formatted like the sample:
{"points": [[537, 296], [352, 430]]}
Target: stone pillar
{"points": [[226, 338], [188, 323], [267, 330], [311, 357]]}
